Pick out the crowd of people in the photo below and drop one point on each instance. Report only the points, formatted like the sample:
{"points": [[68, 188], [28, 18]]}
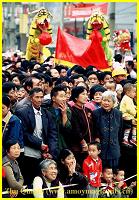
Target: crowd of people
{"points": [[69, 132]]}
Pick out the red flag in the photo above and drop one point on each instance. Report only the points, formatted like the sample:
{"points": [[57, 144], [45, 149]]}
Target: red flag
{"points": [[80, 51]]}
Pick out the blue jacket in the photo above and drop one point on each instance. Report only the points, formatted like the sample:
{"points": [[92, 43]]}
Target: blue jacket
{"points": [[13, 130], [108, 127], [49, 133]]}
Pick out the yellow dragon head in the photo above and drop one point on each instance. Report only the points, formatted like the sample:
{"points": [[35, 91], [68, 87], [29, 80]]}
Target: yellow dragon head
{"points": [[42, 19]]}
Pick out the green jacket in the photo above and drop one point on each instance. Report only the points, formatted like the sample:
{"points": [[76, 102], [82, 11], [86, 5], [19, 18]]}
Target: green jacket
{"points": [[63, 131]]}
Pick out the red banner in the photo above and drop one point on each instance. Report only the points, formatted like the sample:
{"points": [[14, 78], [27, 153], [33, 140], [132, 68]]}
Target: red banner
{"points": [[80, 51], [73, 12]]}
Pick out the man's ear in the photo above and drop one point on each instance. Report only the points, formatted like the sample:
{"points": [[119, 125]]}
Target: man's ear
{"points": [[99, 151], [53, 99]]}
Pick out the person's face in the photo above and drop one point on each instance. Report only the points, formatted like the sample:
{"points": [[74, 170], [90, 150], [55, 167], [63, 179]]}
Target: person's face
{"points": [[54, 73], [120, 176], [110, 86], [60, 98], [18, 65], [119, 78], [108, 175], [135, 63], [21, 93], [63, 73], [14, 151], [98, 97], [37, 83], [51, 172], [37, 66], [107, 103], [107, 78], [78, 80], [16, 81], [93, 80], [93, 151], [69, 160], [5, 110], [68, 94], [132, 93], [37, 99], [12, 94], [82, 98]]}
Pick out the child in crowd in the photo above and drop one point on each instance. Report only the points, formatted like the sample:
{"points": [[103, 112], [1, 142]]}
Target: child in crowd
{"points": [[119, 176], [128, 109], [92, 169], [108, 189], [111, 86]]}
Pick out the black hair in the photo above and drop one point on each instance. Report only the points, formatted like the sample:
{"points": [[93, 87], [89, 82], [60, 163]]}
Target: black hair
{"points": [[6, 101], [61, 80], [60, 67], [76, 91], [64, 154], [131, 64], [76, 76], [116, 171], [102, 75], [106, 167], [78, 69], [118, 58], [19, 76], [35, 90], [48, 59], [10, 143], [96, 88], [95, 73], [7, 86], [97, 144], [56, 89]]}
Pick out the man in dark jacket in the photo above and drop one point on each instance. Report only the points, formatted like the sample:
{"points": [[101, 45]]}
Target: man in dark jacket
{"points": [[40, 136]]}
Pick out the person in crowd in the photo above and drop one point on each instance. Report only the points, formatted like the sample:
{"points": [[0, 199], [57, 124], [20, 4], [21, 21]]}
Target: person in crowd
{"points": [[54, 73], [119, 176], [92, 169], [108, 189], [17, 78], [10, 90], [21, 92], [30, 83], [107, 125], [75, 79], [119, 74], [93, 78], [96, 92], [47, 179], [13, 176], [69, 174], [11, 126], [62, 70], [111, 86], [130, 70], [40, 135], [105, 77], [81, 122], [128, 109], [61, 115]]}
